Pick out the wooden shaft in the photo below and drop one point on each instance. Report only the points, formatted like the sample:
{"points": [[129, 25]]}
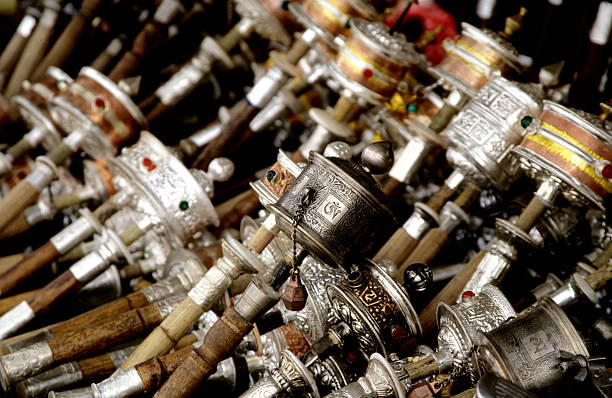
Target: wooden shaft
{"points": [[104, 59], [448, 294], [28, 266], [344, 109], [598, 279], [393, 187], [436, 202], [443, 117], [531, 214], [148, 38], [7, 303], [298, 49], [427, 249], [230, 39], [104, 334], [422, 368], [260, 240], [33, 51], [167, 334], [185, 341], [15, 202], [220, 341], [69, 38], [61, 153], [68, 200], [397, 248], [11, 52], [98, 366], [121, 305], [467, 196], [45, 254], [155, 371], [604, 258], [240, 117], [53, 291], [16, 227], [297, 157], [20, 148]]}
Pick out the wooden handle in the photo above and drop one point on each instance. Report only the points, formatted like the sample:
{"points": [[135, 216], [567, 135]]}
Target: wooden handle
{"points": [[20, 148], [427, 249], [155, 371], [231, 131], [598, 279], [230, 39], [418, 370], [298, 49], [15, 202], [69, 38], [448, 294], [298, 157], [98, 366], [16, 227], [392, 187], [167, 334], [104, 334], [7, 303], [148, 38], [436, 202], [11, 53], [33, 51], [344, 109], [28, 266], [53, 291], [443, 117], [220, 341], [7, 262], [124, 304], [531, 214], [260, 240], [397, 248], [248, 205]]}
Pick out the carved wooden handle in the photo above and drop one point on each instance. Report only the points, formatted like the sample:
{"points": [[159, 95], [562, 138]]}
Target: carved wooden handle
{"points": [[220, 342]]}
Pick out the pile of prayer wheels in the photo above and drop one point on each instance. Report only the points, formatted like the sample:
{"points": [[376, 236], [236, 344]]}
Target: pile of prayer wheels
{"points": [[305, 198]]}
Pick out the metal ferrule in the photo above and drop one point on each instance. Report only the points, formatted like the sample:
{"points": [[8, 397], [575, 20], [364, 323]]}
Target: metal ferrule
{"points": [[25, 363], [92, 264], [380, 381], [123, 383], [490, 270], [35, 136], [44, 382], [167, 11], [266, 87], [103, 288], [6, 163], [84, 392], [16, 318], [75, 139], [256, 300], [166, 306], [565, 295], [205, 135], [76, 232], [419, 221], [214, 283], [451, 216], [316, 142], [548, 190], [410, 160], [545, 289], [42, 210], [274, 110], [43, 174], [454, 180]]}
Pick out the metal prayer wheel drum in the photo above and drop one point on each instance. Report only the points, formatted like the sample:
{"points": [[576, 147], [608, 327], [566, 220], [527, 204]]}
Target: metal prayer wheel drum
{"points": [[481, 136], [32, 104], [458, 323], [331, 18], [347, 218], [526, 349], [569, 147], [376, 308], [166, 190], [473, 57], [371, 62], [96, 105]]}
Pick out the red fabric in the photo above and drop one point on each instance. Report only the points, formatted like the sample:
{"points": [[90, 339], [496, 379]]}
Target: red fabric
{"points": [[431, 16]]}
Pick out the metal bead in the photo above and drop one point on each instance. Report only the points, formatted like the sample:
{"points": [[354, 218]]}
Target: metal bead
{"points": [[378, 157]]}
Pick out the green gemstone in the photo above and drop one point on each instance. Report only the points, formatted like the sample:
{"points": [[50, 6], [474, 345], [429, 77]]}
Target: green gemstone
{"points": [[412, 108], [184, 205], [526, 121]]}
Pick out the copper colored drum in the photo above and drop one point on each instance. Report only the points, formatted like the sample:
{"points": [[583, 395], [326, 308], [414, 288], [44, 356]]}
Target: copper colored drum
{"points": [[571, 146], [32, 104], [472, 59], [96, 105]]}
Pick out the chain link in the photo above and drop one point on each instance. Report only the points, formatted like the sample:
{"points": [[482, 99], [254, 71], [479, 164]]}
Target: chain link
{"points": [[301, 210]]}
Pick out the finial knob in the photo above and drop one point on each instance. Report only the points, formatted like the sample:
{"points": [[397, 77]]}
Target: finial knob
{"points": [[378, 157]]}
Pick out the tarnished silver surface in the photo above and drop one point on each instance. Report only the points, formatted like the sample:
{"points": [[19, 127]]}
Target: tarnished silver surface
{"points": [[421, 219], [482, 134], [347, 216], [19, 365], [15, 319], [457, 324], [166, 190], [103, 288], [410, 159], [329, 374], [119, 356], [167, 305], [84, 392], [43, 174], [256, 300], [265, 22], [95, 262], [266, 87], [236, 260], [314, 319], [123, 383], [526, 350], [44, 382], [380, 381]]}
